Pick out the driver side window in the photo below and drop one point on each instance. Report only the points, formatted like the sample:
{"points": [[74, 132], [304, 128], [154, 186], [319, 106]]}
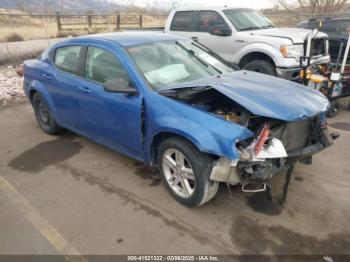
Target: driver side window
{"points": [[102, 66], [208, 19]]}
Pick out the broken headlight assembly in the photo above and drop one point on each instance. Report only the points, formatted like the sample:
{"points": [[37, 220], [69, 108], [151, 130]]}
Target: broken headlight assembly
{"points": [[262, 147]]}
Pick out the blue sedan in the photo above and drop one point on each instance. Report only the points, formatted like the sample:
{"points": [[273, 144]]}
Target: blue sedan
{"points": [[173, 103]]}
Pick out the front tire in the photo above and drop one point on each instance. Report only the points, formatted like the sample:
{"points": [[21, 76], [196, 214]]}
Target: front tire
{"points": [[44, 116], [186, 172], [261, 66]]}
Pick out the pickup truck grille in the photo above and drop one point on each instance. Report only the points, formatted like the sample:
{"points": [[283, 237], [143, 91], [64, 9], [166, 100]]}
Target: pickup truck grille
{"points": [[318, 47]]}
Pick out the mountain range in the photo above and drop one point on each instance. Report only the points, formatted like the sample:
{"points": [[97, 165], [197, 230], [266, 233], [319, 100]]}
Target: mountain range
{"points": [[76, 6]]}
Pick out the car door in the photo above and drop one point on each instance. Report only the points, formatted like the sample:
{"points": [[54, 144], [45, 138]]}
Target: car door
{"points": [[207, 20], [110, 118], [62, 82]]}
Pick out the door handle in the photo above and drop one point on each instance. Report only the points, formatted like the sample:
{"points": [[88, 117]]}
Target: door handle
{"points": [[84, 89], [47, 76], [194, 38]]}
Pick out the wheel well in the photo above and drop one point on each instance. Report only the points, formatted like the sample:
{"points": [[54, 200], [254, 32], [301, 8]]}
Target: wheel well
{"points": [[157, 140], [255, 56], [31, 94]]}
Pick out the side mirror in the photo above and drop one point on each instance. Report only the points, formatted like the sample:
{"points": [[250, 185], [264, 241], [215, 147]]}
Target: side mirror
{"points": [[120, 86], [220, 30]]}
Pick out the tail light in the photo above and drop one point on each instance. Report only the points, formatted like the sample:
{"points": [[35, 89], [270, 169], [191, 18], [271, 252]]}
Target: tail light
{"points": [[263, 137]]}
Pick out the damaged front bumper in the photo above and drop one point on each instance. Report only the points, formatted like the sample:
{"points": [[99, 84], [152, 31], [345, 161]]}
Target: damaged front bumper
{"points": [[260, 169]]}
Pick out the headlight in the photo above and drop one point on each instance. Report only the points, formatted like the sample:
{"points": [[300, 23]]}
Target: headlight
{"points": [[292, 51]]}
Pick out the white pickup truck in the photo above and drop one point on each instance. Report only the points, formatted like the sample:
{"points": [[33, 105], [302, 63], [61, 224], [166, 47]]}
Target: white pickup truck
{"points": [[247, 38]]}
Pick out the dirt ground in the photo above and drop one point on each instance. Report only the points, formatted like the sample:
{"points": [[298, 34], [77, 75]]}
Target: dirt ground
{"points": [[70, 195]]}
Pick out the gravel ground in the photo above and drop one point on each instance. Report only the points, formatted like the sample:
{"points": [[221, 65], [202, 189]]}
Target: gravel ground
{"points": [[11, 85]]}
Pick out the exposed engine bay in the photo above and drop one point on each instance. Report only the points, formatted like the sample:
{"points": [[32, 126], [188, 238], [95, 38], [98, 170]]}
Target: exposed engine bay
{"points": [[275, 146]]}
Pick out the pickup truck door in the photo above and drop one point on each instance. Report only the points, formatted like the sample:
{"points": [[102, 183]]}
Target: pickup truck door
{"points": [[205, 22], [110, 118]]}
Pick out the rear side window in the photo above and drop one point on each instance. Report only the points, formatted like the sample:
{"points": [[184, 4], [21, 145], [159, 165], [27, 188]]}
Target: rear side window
{"points": [[182, 21], [208, 19], [329, 27], [102, 66], [67, 58]]}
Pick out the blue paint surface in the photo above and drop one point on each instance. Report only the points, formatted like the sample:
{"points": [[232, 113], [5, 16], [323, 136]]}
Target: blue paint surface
{"points": [[115, 119]]}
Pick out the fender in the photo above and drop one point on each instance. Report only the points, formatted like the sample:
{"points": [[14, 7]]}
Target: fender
{"points": [[259, 47], [180, 119], [204, 141], [39, 87]]}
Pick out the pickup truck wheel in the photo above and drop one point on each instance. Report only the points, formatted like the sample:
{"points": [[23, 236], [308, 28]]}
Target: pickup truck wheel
{"points": [[44, 116], [185, 171], [261, 66]]}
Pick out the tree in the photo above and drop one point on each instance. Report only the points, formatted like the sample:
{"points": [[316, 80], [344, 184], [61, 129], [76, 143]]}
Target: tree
{"points": [[20, 4], [314, 7]]}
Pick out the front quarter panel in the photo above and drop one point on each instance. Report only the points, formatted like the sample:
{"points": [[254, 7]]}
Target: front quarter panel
{"points": [[209, 133]]}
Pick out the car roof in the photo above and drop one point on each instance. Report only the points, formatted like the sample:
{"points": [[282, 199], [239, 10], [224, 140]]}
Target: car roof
{"points": [[215, 8], [131, 38], [330, 19]]}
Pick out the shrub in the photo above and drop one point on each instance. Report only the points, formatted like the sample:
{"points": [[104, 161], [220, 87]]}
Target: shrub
{"points": [[63, 34], [14, 37]]}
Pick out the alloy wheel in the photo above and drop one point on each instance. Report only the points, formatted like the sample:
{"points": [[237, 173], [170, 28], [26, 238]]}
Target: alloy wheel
{"points": [[178, 173], [43, 112]]}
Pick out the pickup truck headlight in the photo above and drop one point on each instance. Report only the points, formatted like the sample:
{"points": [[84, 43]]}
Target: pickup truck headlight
{"points": [[292, 51]]}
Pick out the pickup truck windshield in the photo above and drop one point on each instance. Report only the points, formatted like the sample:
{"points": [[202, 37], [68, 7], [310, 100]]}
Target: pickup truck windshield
{"points": [[247, 19], [173, 62]]}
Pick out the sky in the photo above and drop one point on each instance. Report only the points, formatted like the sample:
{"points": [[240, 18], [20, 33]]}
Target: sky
{"points": [[256, 4]]}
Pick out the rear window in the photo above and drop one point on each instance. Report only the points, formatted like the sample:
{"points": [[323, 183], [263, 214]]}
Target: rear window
{"points": [[67, 58], [182, 21], [329, 27]]}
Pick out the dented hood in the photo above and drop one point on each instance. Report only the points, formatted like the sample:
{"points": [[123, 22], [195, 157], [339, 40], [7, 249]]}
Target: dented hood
{"points": [[265, 95]]}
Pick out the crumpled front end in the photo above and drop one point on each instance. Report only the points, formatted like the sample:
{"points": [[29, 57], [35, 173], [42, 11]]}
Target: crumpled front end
{"points": [[286, 120], [274, 147]]}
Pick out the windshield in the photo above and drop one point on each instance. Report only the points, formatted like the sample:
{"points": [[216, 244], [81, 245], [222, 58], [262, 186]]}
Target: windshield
{"points": [[247, 19], [172, 62]]}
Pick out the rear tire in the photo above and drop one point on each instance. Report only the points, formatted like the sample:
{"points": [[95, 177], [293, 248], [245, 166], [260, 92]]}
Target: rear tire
{"points": [[44, 116], [333, 109], [261, 66], [179, 160]]}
